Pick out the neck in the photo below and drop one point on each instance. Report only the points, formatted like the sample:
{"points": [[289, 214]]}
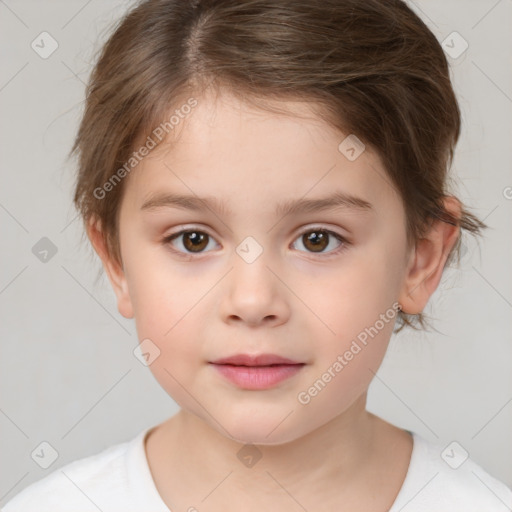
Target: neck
{"points": [[339, 450]]}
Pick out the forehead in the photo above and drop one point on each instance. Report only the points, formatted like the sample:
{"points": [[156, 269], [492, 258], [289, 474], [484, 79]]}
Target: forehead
{"points": [[239, 153]]}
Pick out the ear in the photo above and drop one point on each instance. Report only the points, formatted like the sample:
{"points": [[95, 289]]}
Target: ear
{"points": [[428, 259], [112, 268]]}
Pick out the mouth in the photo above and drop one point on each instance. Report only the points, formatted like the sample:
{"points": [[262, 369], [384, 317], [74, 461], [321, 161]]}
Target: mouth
{"points": [[257, 372], [255, 360]]}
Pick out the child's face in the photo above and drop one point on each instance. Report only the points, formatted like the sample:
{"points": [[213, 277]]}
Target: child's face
{"points": [[300, 299]]}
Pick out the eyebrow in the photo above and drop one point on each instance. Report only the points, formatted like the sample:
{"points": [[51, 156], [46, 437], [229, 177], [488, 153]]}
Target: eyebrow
{"points": [[336, 201]]}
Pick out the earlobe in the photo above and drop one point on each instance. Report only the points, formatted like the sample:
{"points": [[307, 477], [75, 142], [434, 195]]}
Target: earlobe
{"points": [[114, 272], [427, 261]]}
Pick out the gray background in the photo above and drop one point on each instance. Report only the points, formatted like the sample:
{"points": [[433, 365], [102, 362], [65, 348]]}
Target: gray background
{"points": [[68, 374]]}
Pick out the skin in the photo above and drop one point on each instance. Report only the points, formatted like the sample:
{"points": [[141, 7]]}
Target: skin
{"points": [[292, 301]]}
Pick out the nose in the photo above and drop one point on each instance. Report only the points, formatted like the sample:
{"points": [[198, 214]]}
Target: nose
{"points": [[254, 294]]}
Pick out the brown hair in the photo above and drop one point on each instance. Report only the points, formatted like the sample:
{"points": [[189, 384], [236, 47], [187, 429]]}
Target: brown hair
{"points": [[372, 69]]}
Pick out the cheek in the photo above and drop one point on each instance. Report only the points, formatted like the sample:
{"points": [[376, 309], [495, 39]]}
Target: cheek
{"points": [[160, 311], [360, 308], [345, 366], [165, 313], [356, 296], [162, 290]]}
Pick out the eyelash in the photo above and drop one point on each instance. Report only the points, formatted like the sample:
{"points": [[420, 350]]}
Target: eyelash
{"points": [[344, 242]]}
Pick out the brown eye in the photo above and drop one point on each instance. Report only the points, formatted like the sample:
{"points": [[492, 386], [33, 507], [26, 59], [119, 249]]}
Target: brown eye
{"points": [[193, 241], [318, 240]]}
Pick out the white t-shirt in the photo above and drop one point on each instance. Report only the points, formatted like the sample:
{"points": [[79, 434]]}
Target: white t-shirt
{"points": [[118, 479]]}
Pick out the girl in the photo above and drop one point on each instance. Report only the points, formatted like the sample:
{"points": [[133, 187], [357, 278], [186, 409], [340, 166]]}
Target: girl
{"points": [[265, 182]]}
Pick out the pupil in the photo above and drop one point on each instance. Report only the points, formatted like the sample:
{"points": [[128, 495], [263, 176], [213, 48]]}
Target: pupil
{"points": [[195, 239], [318, 239]]}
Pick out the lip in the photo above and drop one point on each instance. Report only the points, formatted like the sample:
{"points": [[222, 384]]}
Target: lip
{"points": [[258, 372], [255, 360]]}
